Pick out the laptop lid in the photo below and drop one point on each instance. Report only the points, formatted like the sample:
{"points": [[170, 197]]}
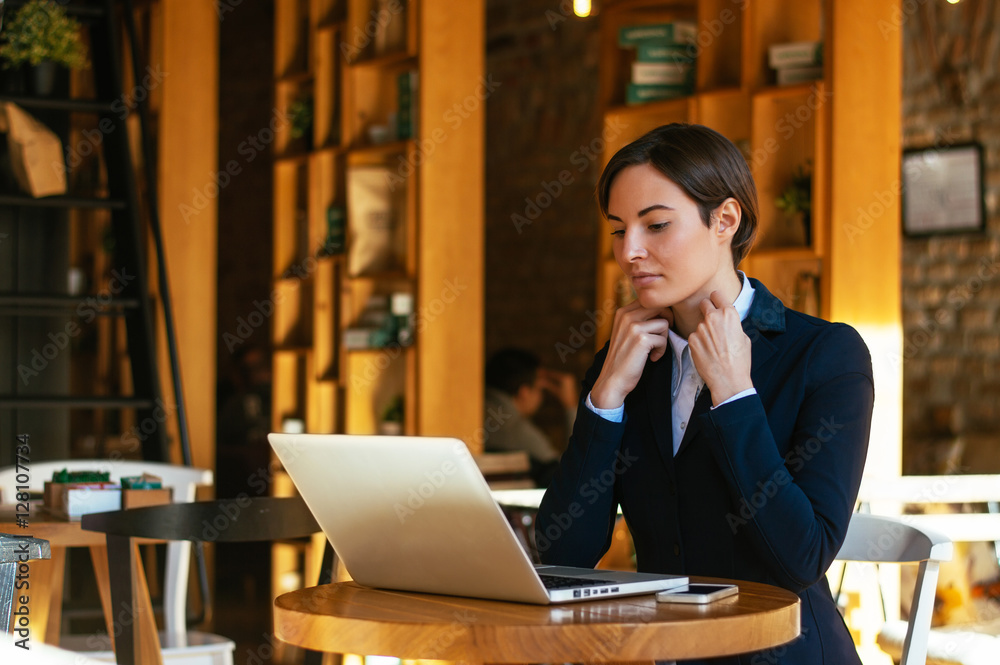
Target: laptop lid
{"points": [[409, 513], [416, 514]]}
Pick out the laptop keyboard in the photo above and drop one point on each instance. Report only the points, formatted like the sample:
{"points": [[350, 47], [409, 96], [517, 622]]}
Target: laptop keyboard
{"points": [[557, 582]]}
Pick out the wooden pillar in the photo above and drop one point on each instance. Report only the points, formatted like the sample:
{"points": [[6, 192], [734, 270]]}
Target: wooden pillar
{"points": [[451, 210], [186, 171]]}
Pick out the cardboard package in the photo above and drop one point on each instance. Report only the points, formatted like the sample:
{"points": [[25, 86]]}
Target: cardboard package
{"points": [[36, 153], [145, 490], [74, 500]]}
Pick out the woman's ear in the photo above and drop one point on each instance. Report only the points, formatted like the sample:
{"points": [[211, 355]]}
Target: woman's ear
{"points": [[727, 216]]}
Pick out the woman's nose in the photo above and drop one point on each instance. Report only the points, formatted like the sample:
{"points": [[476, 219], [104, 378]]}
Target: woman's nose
{"points": [[633, 247]]}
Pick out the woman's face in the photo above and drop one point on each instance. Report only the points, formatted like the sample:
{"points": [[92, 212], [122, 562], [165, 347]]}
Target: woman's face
{"points": [[661, 242]]}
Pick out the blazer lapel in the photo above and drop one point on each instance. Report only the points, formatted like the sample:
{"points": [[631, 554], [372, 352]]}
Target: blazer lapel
{"points": [[701, 406], [658, 404], [766, 314]]}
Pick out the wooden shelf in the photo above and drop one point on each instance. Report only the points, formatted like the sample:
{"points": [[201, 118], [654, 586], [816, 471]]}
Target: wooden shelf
{"points": [[322, 49], [366, 155], [390, 61]]}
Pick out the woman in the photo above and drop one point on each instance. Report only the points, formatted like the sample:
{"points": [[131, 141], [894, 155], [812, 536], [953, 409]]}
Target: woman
{"points": [[731, 430]]}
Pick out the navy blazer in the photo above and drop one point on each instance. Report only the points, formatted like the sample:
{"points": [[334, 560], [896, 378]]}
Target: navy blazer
{"points": [[761, 489]]}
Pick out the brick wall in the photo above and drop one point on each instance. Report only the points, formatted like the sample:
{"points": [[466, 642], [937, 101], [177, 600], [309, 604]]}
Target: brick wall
{"points": [[540, 276], [951, 284], [246, 75]]}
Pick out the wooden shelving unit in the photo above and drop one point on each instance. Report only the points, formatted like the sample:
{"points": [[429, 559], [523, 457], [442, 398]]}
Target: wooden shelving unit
{"points": [[347, 56]]}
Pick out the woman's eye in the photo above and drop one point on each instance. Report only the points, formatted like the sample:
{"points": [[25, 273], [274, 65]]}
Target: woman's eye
{"points": [[659, 227], [618, 232]]}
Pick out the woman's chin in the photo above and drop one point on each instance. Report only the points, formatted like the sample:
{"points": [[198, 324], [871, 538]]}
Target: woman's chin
{"points": [[652, 300]]}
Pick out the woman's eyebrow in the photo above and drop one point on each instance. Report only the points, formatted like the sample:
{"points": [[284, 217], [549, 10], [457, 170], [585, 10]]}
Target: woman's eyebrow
{"points": [[644, 211], [656, 206]]}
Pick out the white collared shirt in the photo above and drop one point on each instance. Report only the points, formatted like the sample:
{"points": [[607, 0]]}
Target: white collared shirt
{"points": [[685, 383]]}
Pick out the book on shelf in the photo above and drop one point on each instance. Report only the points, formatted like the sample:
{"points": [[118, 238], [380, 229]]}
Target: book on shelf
{"points": [[638, 93], [657, 51], [406, 105], [795, 54], [793, 75], [663, 73], [663, 66], [674, 32]]}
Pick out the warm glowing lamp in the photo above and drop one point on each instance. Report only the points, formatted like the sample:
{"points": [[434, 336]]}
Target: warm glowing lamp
{"points": [[582, 8]]}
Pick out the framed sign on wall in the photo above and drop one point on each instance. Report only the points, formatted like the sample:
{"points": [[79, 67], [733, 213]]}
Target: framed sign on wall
{"points": [[943, 190]]}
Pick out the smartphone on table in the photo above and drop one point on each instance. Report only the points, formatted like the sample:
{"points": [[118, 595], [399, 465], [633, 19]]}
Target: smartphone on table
{"points": [[698, 594]]}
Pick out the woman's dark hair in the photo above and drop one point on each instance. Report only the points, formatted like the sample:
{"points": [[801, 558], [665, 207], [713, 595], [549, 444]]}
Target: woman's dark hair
{"points": [[703, 163]]}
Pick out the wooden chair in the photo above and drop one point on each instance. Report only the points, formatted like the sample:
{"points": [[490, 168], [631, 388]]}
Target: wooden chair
{"points": [[241, 519], [879, 538]]}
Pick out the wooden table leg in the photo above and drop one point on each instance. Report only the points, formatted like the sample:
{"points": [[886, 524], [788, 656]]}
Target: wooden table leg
{"points": [[99, 559], [135, 626]]}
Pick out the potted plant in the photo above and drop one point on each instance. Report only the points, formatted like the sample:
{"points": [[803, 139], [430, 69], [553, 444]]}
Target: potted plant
{"points": [[300, 113], [796, 200], [391, 421], [43, 37]]}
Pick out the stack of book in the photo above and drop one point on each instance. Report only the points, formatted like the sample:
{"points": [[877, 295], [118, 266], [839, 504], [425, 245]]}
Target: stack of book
{"points": [[796, 62], [406, 105], [664, 60]]}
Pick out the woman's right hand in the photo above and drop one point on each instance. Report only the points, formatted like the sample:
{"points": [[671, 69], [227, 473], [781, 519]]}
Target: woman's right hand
{"points": [[638, 333]]}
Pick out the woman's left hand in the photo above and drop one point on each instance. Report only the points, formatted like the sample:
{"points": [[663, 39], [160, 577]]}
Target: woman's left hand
{"points": [[721, 350]]}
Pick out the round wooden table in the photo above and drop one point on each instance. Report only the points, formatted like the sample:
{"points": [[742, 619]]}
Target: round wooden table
{"points": [[349, 618]]}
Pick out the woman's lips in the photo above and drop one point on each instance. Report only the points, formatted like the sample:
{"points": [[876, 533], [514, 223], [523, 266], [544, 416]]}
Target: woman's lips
{"points": [[644, 278]]}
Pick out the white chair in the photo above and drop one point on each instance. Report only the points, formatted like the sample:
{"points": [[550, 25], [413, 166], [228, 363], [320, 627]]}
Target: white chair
{"points": [[183, 479], [948, 645], [881, 539]]}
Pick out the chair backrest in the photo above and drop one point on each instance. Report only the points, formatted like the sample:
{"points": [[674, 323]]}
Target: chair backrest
{"points": [[879, 538], [925, 490], [183, 479]]}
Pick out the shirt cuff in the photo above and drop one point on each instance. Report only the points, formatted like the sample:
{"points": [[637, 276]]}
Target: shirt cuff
{"points": [[739, 395], [614, 415]]}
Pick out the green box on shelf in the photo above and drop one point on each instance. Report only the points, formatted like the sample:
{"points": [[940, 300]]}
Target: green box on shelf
{"points": [[656, 51], [675, 32], [637, 93], [663, 73]]}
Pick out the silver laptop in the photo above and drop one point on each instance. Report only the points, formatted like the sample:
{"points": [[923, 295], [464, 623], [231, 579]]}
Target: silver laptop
{"points": [[416, 514]]}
